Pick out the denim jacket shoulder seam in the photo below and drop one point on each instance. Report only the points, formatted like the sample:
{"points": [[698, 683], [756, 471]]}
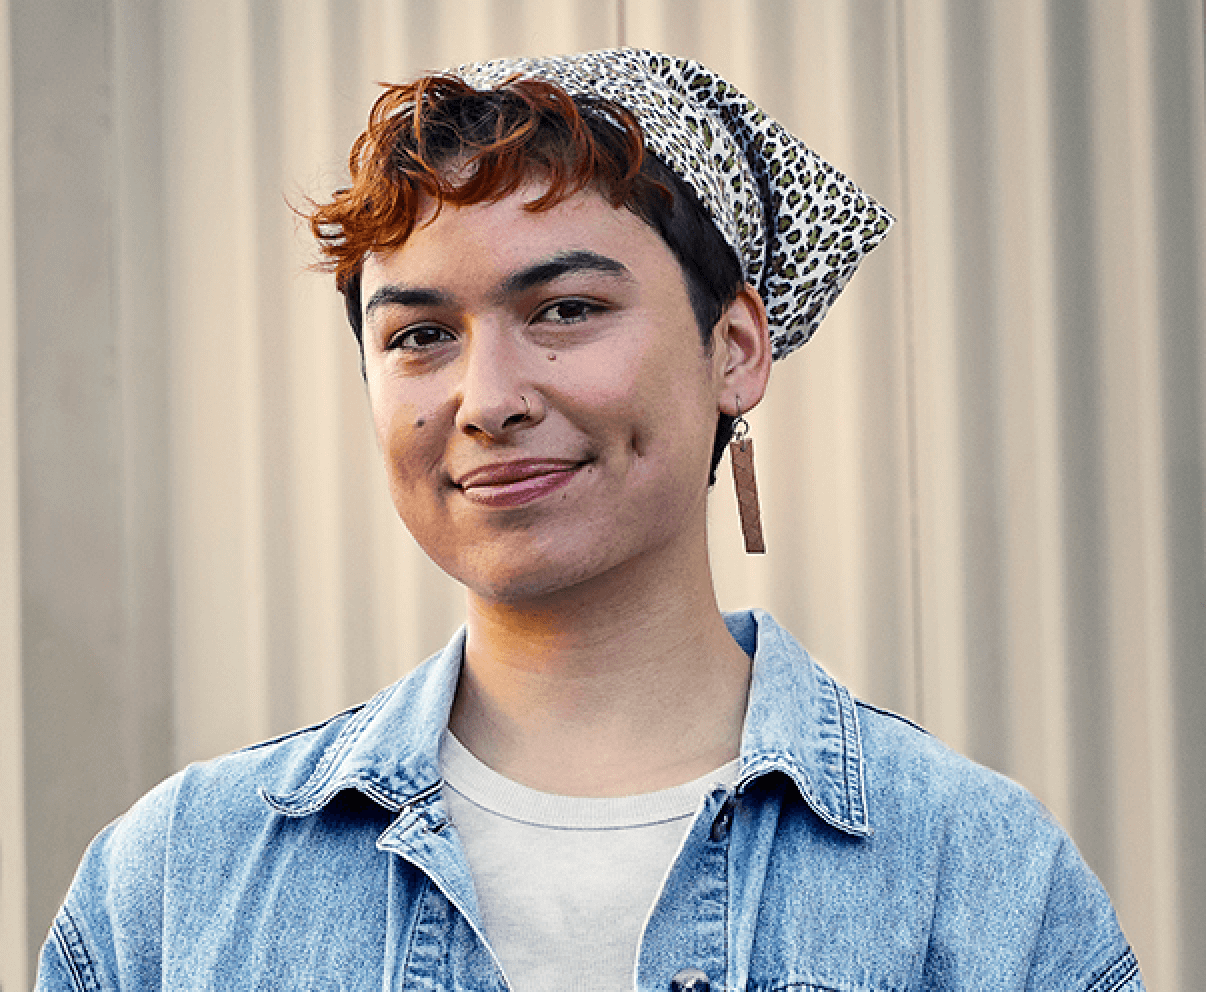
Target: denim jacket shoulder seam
{"points": [[301, 731], [74, 949], [891, 715]]}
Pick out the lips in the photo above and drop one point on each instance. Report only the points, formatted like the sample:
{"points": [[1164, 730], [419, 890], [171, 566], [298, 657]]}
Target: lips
{"points": [[517, 482]]}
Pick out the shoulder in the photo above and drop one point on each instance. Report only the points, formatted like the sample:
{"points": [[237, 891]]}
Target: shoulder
{"points": [[241, 777], [995, 862], [108, 931], [908, 768], [975, 821], [227, 789], [223, 792]]}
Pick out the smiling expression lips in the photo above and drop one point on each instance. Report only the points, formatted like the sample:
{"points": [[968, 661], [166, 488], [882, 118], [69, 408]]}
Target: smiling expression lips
{"points": [[515, 483]]}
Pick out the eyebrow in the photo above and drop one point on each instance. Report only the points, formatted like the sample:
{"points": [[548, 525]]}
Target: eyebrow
{"points": [[403, 296], [558, 265], [561, 264]]}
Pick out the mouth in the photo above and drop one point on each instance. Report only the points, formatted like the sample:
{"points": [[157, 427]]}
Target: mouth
{"points": [[515, 483]]}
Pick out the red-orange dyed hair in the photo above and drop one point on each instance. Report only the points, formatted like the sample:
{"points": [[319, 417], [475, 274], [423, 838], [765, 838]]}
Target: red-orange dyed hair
{"points": [[439, 138]]}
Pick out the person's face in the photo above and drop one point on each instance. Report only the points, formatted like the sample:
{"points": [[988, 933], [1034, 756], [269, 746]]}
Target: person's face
{"points": [[541, 392]]}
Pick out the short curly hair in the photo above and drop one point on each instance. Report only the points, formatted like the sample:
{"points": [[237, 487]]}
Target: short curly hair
{"points": [[439, 139]]}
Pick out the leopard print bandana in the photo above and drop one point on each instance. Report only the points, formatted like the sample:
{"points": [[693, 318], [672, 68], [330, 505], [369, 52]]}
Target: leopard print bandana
{"points": [[799, 226]]}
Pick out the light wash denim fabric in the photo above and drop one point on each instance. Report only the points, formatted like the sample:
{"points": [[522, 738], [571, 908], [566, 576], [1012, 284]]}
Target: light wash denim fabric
{"points": [[856, 853]]}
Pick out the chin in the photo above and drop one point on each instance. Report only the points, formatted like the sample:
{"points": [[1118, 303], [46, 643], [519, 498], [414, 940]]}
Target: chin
{"points": [[524, 575], [518, 585]]}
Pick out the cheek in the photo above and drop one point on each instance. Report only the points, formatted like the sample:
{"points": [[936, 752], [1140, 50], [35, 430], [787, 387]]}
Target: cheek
{"points": [[609, 402], [663, 432], [405, 436], [678, 407]]}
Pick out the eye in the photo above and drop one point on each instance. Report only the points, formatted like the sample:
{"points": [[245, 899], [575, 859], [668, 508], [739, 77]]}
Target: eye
{"points": [[418, 338], [572, 311]]}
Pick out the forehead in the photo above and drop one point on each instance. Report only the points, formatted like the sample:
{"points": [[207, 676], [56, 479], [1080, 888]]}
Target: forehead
{"points": [[500, 235]]}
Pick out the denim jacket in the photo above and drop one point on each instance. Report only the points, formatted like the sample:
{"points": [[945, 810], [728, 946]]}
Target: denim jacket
{"points": [[854, 853]]}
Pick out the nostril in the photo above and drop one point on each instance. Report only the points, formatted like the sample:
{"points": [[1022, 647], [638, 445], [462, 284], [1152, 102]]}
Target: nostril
{"points": [[490, 416]]}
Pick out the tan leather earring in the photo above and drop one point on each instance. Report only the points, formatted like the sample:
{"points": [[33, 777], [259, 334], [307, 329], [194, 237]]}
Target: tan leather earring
{"points": [[741, 458]]}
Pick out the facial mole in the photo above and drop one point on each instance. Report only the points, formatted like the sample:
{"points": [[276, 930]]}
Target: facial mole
{"points": [[421, 422]]}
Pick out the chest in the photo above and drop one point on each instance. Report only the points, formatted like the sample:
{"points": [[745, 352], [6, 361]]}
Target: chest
{"points": [[761, 896]]}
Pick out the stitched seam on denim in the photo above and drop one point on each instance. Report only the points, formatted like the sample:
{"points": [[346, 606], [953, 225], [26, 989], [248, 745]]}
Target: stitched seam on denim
{"points": [[413, 813], [344, 743], [803, 784], [852, 753], [728, 891], [366, 785], [1117, 974], [841, 711], [351, 711], [422, 798], [75, 952], [891, 715], [414, 926], [864, 798], [385, 797], [318, 789]]}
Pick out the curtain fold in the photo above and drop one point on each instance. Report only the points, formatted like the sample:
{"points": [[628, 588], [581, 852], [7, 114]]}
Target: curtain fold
{"points": [[983, 483]]}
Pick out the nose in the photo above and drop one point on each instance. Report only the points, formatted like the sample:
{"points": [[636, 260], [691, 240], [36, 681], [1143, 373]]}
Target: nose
{"points": [[496, 394]]}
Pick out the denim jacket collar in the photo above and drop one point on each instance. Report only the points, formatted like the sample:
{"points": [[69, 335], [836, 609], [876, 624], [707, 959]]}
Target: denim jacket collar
{"points": [[802, 723], [799, 722]]}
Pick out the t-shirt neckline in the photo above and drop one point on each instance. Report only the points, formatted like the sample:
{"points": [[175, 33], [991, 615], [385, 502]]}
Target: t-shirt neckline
{"points": [[486, 788]]}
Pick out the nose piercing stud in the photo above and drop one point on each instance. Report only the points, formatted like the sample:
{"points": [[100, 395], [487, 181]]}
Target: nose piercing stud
{"points": [[527, 407]]}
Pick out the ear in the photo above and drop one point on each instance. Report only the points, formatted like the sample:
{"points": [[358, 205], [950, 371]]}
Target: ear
{"points": [[742, 351]]}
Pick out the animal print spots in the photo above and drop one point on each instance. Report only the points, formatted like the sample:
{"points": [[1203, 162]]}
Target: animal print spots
{"points": [[799, 227]]}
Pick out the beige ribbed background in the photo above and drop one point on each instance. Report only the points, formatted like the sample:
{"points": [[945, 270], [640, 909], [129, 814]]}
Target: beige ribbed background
{"points": [[983, 482]]}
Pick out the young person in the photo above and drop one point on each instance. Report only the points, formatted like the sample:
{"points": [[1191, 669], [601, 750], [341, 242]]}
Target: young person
{"points": [[568, 278]]}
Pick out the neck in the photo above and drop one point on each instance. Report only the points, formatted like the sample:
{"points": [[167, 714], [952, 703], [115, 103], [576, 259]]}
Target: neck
{"points": [[626, 684]]}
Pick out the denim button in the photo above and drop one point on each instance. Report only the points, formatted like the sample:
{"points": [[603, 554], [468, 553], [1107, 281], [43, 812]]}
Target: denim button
{"points": [[690, 980], [724, 820]]}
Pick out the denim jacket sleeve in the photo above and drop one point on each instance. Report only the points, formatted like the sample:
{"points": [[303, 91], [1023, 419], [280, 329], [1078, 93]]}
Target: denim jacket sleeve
{"points": [[1079, 926], [108, 933], [996, 890]]}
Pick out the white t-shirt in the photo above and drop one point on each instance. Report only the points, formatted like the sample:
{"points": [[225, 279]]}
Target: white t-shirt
{"points": [[565, 884]]}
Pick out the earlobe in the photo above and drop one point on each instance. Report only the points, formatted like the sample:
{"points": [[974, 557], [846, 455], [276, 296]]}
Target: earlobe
{"points": [[743, 333]]}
